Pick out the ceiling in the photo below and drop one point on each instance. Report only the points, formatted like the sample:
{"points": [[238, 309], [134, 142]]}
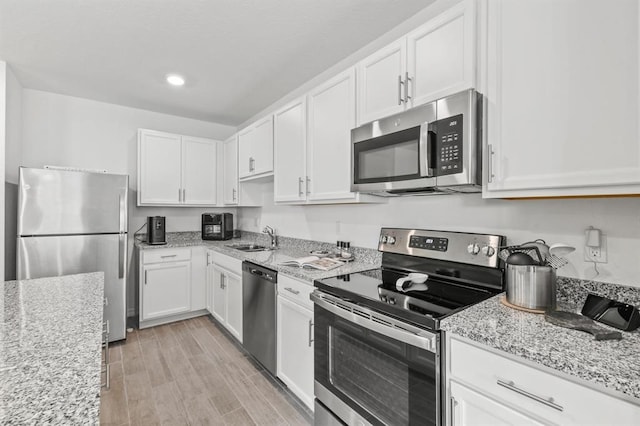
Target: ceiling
{"points": [[238, 56]]}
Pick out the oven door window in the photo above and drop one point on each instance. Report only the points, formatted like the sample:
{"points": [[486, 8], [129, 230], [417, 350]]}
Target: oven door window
{"points": [[384, 380], [392, 157]]}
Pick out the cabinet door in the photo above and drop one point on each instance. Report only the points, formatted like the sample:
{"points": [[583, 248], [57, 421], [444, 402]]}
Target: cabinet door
{"points": [[381, 83], [219, 294], [230, 171], [210, 284], [332, 115], [199, 261], [441, 55], [471, 408], [255, 149], [562, 100], [295, 349], [166, 289], [199, 169], [159, 168], [289, 131], [233, 285]]}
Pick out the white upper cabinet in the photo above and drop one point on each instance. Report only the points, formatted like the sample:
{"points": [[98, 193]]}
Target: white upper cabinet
{"points": [[199, 170], [290, 138], [159, 168], [435, 60], [332, 115], [255, 149], [441, 55], [230, 171], [381, 77], [176, 170], [562, 94], [313, 145]]}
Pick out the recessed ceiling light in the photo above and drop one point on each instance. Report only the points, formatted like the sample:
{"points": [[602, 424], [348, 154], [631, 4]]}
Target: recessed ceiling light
{"points": [[175, 80]]}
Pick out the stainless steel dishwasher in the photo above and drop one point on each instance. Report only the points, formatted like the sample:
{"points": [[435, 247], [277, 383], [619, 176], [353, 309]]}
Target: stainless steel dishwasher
{"points": [[259, 285]]}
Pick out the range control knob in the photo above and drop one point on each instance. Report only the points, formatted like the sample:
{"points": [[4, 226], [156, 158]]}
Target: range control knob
{"points": [[473, 249], [488, 251], [383, 239], [391, 240]]}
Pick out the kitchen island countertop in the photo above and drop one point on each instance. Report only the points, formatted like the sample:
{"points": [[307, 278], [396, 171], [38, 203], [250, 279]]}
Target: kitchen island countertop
{"points": [[609, 363], [50, 350]]}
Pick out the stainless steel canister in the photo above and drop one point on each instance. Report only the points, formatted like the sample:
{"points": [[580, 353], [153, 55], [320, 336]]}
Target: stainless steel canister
{"points": [[531, 286]]}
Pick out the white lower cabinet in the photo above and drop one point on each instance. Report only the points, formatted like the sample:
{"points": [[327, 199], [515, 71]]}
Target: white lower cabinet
{"points": [[225, 292], [469, 407], [295, 338], [171, 285], [487, 387], [165, 289]]}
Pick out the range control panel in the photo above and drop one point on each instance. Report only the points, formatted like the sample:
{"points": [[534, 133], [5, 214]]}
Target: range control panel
{"points": [[428, 243], [476, 249]]}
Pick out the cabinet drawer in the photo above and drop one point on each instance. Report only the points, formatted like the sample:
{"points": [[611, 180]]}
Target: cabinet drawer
{"points": [[296, 291], [227, 262], [165, 255], [536, 391]]}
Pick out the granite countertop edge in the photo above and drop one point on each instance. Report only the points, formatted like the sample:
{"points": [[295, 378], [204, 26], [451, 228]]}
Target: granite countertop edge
{"points": [[288, 248], [611, 364]]}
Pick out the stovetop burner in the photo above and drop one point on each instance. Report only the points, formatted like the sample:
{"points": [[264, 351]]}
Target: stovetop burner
{"points": [[457, 278]]}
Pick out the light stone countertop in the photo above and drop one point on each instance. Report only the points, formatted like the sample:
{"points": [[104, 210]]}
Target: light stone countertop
{"points": [[288, 248], [614, 364], [50, 350]]}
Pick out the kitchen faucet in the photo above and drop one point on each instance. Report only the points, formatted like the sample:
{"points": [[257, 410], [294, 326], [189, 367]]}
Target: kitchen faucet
{"points": [[269, 231]]}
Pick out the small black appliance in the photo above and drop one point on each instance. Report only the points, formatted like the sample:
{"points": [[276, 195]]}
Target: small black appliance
{"points": [[217, 226], [155, 230]]}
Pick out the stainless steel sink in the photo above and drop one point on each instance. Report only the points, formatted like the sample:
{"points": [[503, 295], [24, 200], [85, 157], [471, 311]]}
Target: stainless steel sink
{"points": [[248, 247]]}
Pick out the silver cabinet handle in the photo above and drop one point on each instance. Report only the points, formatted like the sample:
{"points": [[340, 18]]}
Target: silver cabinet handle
{"points": [[308, 185], [300, 182], [454, 404], [145, 277], [490, 174], [310, 332], [252, 164], [400, 83], [289, 289], [179, 195], [222, 280], [168, 255], [509, 384], [184, 195], [233, 194], [106, 301], [406, 87]]}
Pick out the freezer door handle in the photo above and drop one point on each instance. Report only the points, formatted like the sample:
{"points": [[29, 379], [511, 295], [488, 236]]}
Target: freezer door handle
{"points": [[123, 212], [122, 240]]}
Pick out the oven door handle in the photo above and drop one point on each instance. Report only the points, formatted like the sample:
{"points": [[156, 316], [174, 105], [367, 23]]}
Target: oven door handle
{"points": [[377, 322]]}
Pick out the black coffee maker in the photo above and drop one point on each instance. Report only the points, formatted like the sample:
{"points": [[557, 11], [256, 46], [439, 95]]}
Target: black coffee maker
{"points": [[155, 230]]}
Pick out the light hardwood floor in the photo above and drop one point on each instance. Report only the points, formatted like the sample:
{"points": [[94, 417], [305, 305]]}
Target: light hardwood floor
{"points": [[192, 373]]}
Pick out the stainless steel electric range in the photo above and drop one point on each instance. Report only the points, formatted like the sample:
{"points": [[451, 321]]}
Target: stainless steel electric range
{"points": [[378, 349]]}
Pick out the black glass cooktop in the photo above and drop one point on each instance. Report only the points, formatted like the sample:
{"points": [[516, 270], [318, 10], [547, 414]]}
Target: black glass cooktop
{"points": [[424, 305]]}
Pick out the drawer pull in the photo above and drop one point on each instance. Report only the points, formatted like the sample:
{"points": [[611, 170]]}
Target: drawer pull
{"points": [[168, 255], [310, 332], [290, 290], [509, 384]]}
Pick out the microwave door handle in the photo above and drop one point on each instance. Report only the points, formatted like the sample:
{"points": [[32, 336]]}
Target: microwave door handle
{"points": [[426, 140]]}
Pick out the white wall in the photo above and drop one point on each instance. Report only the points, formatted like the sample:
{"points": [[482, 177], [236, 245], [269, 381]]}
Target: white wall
{"points": [[13, 129], [554, 220], [66, 131]]}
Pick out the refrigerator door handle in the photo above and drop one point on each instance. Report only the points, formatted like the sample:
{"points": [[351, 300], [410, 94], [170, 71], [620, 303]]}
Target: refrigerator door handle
{"points": [[122, 240], [123, 212]]}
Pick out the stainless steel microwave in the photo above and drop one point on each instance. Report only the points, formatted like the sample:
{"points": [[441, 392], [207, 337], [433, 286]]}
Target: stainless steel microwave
{"points": [[433, 148]]}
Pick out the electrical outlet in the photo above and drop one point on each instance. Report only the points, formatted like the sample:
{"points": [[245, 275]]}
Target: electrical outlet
{"points": [[596, 254]]}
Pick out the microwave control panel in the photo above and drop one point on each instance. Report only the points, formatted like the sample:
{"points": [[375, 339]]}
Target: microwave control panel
{"points": [[448, 146]]}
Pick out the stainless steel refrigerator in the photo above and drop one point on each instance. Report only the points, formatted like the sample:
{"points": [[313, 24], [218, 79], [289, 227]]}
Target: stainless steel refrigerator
{"points": [[72, 222]]}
